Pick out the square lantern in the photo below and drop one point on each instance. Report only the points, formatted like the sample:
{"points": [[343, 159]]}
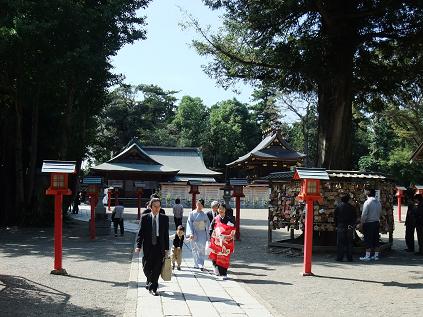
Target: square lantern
{"points": [[94, 183], [310, 186], [59, 175], [194, 186], [238, 186], [400, 191]]}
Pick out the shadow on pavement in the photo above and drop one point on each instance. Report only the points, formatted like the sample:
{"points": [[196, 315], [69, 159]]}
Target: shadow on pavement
{"points": [[22, 297], [391, 283]]}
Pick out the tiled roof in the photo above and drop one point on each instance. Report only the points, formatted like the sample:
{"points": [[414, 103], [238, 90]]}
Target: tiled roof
{"points": [[186, 160], [135, 167], [272, 147]]}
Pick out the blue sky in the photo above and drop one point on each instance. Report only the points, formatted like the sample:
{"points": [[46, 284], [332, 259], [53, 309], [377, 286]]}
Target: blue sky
{"points": [[166, 59]]}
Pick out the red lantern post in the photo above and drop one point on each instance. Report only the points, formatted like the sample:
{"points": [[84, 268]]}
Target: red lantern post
{"points": [[94, 185], [140, 187], [109, 197], [58, 187], [194, 191], [116, 196], [238, 185], [400, 194], [310, 192]]}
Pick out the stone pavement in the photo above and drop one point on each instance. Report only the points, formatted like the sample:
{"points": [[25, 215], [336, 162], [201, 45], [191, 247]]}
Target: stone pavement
{"points": [[191, 292]]}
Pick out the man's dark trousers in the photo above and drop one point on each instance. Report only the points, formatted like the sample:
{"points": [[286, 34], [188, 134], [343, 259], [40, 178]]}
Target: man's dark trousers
{"points": [[152, 266], [344, 242]]}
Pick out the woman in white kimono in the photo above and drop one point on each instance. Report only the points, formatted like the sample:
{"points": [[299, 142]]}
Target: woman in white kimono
{"points": [[197, 231]]}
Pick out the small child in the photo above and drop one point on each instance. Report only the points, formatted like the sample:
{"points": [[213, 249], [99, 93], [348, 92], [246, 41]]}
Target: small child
{"points": [[178, 241]]}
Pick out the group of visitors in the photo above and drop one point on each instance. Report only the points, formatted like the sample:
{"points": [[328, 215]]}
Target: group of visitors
{"points": [[212, 232], [346, 223]]}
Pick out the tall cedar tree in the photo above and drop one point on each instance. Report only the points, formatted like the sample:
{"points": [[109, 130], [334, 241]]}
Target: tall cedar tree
{"points": [[344, 51]]}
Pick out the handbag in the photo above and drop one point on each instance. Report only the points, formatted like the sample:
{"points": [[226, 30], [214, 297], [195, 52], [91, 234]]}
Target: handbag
{"points": [[207, 249], [166, 272]]}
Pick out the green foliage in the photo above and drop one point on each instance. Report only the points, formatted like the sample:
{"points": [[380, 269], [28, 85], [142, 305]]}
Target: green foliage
{"points": [[54, 74], [191, 120], [233, 132]]}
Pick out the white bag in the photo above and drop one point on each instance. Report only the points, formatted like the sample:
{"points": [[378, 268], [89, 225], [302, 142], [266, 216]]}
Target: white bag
{"points": [[207, 249]]}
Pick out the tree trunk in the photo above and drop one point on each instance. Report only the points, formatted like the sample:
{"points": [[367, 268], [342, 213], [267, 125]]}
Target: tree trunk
{"points": [[19, 173], [335, 87], [33, 152]]}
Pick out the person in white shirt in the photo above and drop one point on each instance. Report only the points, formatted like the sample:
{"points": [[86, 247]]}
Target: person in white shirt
{"points": [[117, 218], [178, 213], [370, 223]]}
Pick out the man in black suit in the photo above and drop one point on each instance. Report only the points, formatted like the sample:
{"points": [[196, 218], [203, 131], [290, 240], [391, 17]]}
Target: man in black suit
{"points": [[213, 213], [153, 237]]}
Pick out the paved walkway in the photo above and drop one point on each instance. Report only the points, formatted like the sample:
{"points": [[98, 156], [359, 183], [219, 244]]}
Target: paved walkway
{"points": [[189, 293]]}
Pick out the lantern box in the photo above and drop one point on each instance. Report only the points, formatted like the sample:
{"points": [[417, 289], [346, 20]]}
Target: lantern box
{"points": [[94, 183], [310, 185], [194, 186], [400, 191], [238, 185], [59, 176]]}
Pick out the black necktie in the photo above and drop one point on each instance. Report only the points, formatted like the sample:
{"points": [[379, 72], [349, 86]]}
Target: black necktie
{"points": [[154, 234]]}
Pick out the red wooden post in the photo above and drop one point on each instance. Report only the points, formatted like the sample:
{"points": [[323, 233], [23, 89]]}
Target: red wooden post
{"points": [[310, 191], [194, 191], [238, 186], [399, 208], [308, 237], [58, 200], [194, 200], [93, 203], [58, 187], [238, 219], [109, 198]]}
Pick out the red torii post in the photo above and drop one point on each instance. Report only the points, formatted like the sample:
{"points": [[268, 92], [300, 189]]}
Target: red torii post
{"points": [[58, 187], [94, 185], [140, 188], [194, 191], [399, 194], [310, 192], [109, 197], [116, 189], [238, 185]]}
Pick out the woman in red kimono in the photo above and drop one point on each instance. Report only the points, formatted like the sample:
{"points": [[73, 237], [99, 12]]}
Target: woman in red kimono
{"points": [[222, 231]]}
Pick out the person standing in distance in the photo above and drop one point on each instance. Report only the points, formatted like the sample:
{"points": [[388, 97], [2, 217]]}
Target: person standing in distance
{"points": [[153, 238], [370, 222], [345, 219], [178, 213]]}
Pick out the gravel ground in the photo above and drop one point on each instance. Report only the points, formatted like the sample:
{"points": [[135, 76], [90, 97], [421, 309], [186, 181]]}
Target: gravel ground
{"points": [[392, 286], [98, 273]]}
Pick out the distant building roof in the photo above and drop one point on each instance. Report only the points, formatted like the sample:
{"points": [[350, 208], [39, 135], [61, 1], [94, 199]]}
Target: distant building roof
{"points": [[287, 176], [273, 147], [184, 163], [418, 154], [186, 160]]}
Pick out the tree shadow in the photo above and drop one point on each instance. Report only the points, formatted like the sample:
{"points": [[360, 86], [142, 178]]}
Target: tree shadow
{"points": [[197, 298], [391, 283], [23, 297], [261, 282], [113, 284]]}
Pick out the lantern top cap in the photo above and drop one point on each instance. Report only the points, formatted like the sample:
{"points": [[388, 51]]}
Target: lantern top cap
{"points": [[194, 182], [139, 184], [238, 182], [401, 187], [311, 173], [418, 186], [92, 180], [66, 167]]}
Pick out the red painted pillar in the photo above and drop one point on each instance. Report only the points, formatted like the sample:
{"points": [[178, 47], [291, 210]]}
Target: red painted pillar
{"points": [[237, 220], [308, 238], [399, 207], [139, 206], [93, 203], [58, 199], [194, 201], [109, 198], [116, 197]]}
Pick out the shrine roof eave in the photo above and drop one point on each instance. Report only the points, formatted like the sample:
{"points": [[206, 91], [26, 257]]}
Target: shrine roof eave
{"points": [[418, 154], [261, 158], [134, 168]]}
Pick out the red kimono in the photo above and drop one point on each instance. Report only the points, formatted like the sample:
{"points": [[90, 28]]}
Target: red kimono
{"points": [[222, 243]]}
